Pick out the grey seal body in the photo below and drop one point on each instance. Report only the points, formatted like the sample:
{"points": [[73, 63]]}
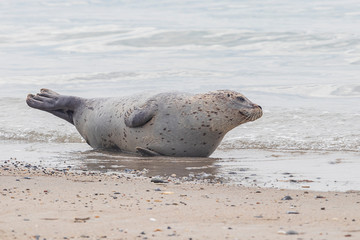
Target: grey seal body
{"points": [[170, 124]]}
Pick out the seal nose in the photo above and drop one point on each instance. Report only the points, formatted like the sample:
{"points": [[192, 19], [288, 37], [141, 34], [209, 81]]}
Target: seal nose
{"points": [[260, 107]]}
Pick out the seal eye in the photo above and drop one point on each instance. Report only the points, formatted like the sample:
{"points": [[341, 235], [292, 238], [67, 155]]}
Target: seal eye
{"points": [[228, 95], [241, 99]]}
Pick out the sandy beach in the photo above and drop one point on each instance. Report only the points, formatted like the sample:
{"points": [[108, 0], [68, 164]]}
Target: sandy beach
{"points": [[40, 203]]}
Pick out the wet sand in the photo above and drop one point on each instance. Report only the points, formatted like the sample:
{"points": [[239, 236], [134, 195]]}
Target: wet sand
{"points": [[39, 203]]}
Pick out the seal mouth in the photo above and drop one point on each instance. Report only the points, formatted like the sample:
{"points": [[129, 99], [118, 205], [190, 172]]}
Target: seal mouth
{"points": [[252, 115]]}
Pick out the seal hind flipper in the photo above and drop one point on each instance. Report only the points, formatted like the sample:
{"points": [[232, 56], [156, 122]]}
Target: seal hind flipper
{"points": [[147, 152], [52, 102], [139, 116]]}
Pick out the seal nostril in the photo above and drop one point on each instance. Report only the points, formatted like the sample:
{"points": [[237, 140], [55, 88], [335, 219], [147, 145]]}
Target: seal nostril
{"points": [[260, 107]]}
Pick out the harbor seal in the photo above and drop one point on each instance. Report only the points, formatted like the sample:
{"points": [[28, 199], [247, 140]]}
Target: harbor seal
{"points": [[169, 124]]}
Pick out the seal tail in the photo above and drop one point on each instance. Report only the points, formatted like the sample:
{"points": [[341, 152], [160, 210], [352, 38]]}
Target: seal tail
{"points": [[54, 103]]}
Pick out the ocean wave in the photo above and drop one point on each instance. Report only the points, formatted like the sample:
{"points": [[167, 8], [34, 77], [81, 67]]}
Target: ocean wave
{"points": [[311, 90], [33, 136], [284, 143]]}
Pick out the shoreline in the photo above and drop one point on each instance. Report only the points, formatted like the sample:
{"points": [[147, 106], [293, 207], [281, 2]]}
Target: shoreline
{"points": [[49, 204]]}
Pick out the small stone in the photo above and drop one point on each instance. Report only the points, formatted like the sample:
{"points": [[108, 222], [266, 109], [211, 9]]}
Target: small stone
{"points": [[157, 180], [318, 196], [322, 208], [291, 232], [157, 190], [292, 212], [167, 193], [287, 197]]}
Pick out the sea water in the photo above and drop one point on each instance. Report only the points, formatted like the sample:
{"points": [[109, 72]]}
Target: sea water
{"points": [[299, 60]]}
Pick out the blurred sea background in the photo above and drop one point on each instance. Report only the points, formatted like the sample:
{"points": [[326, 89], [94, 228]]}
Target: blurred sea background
{"points": [[299, 60]]}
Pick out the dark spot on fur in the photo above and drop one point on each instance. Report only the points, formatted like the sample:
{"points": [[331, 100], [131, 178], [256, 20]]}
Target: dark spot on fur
{"points": [[91, 108], [204, 143], [204, 134]]}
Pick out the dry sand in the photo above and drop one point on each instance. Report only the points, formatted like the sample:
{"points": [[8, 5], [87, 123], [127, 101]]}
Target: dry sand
{"points": [[48, 204]]}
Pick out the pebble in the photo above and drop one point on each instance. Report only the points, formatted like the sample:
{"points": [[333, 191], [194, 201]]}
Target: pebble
{"points": [[157, 180], [287, 197], [292, 212], [290, 232]]}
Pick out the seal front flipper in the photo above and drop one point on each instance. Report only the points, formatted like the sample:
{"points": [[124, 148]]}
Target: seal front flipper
{"points": [[147, 152], [140, 116]]}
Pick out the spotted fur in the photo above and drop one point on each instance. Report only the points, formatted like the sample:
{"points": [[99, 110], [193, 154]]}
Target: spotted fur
{"points": [[171, 124]]}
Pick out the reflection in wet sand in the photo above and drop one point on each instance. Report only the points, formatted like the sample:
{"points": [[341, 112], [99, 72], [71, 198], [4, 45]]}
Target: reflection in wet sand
{"points": [[105, 161]]}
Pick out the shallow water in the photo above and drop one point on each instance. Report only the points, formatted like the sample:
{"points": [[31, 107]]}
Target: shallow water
{"points": [[299, 61]]}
